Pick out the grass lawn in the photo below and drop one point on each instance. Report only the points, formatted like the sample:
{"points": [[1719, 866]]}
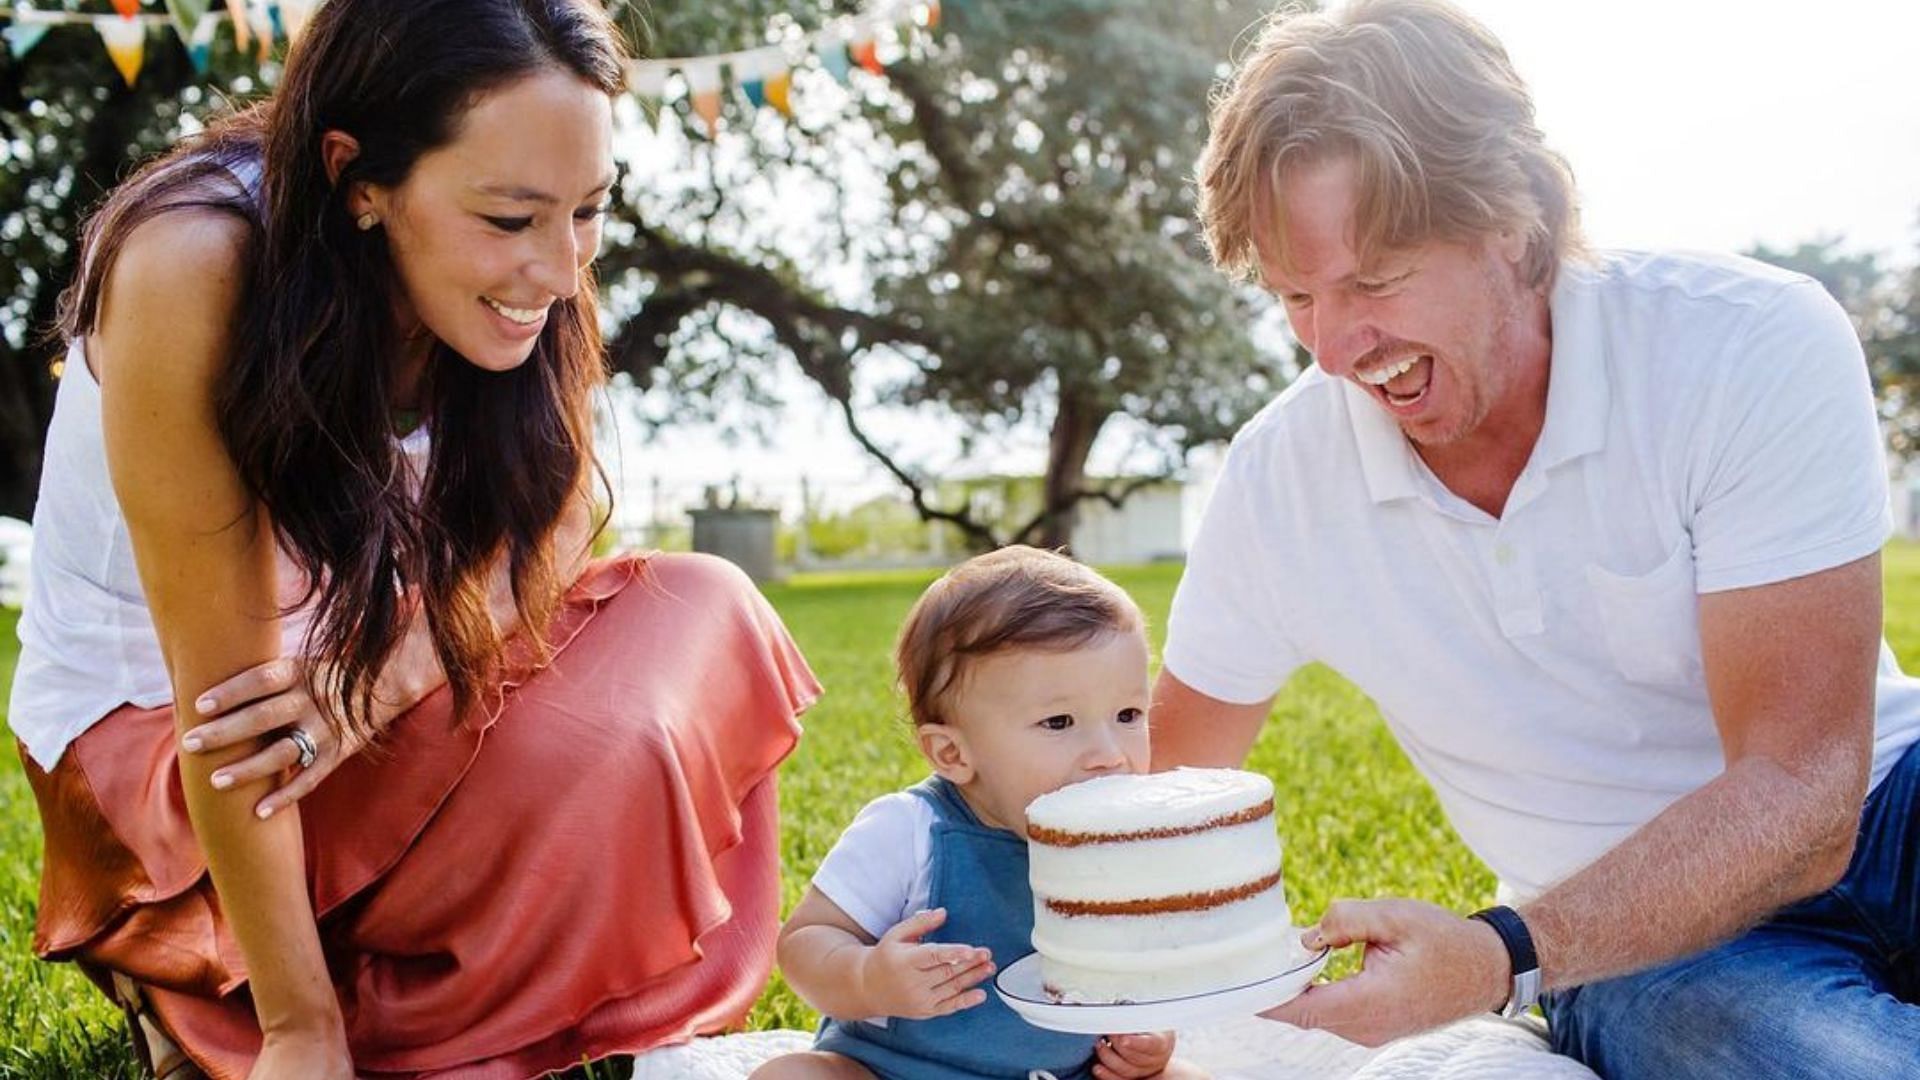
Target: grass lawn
{"points": [[1357, 821]]}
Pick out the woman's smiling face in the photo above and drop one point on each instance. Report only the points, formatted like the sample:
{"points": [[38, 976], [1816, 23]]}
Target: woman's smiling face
{"points": [[492, 229]]}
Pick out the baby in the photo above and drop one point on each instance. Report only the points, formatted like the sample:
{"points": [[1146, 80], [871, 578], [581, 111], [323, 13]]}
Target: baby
{"points": [[1024, 672]]}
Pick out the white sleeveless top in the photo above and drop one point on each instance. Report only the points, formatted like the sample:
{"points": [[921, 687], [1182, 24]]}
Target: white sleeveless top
{"points": [[87, 643]]}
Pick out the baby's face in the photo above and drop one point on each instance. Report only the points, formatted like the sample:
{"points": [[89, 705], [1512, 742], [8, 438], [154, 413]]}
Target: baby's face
{"points": [[1036, 721]]}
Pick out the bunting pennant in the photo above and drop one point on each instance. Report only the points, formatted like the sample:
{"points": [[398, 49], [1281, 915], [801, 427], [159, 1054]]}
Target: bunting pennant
{"points": [[126, 41], [195, 30], [296, 14], [779, 93], [242, 31], [26, 30], [646, 80], [200, 45], [703, 89], [265, 21], [762, 77], [867, 54], [753, 70], [832, 51], [186, 16]]}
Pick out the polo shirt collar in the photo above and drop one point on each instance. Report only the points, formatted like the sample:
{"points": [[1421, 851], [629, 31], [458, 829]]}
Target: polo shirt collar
{"points": [[1578, 397]]}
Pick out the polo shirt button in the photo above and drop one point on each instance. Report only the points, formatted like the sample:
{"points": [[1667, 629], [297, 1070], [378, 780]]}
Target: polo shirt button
{"points": [[1503, 554]]}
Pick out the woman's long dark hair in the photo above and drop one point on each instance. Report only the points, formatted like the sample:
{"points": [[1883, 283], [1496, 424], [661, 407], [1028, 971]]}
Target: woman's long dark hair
{"points": [[304, 408]]}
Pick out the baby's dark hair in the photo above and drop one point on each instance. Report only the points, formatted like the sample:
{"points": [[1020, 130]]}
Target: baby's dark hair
{"points": [[1016, 598]]}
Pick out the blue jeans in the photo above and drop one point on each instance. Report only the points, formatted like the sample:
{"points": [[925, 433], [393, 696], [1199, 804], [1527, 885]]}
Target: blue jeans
{"points": [[1827, 989]]}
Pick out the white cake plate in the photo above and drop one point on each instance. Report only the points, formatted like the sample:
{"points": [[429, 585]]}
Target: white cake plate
{"points": [[1019, 986]]}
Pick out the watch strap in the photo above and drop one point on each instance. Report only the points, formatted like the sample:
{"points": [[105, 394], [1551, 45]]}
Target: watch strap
{"points": [[1520, 954]]}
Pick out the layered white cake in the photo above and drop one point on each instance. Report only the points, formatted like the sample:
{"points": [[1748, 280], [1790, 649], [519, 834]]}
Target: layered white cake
{"points": [[1158, 886]]}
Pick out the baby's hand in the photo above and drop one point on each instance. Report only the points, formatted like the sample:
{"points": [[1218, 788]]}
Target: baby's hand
{"points": [[1129, 1057], [904, 977]]}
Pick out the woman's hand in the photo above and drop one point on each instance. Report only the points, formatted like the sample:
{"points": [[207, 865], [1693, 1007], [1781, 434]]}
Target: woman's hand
{"points": [[259, 702], [272, 699], [302, 1057]]}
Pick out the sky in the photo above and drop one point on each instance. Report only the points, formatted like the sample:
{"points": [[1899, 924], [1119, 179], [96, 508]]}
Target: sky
{"points": [[1703, 124], [1717, 123]]}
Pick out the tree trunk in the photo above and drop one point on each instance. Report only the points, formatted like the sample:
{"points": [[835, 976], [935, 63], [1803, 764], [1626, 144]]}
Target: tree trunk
{"points": [[1075, 425]]}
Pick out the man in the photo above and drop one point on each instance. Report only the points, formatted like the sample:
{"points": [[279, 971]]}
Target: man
{"points": [[1599, 533]]}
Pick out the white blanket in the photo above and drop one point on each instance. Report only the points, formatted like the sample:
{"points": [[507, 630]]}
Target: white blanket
{"points": [[1479, 1049]]}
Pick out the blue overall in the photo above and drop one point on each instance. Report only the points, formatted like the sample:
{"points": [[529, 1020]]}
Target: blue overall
{"points": [[979, 874]]}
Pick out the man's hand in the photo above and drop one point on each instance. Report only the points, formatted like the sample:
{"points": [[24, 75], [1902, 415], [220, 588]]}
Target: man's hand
{"points": [[1424, 966], [902, 976], [1132, 1057]]}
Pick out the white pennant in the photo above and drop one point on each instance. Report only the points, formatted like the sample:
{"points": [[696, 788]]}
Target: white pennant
{"points": [[295, 14], [703, 76], [647, 78]]}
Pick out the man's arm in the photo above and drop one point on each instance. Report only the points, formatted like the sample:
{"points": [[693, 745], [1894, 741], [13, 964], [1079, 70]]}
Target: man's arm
{"points": [[1790, 674], [1191, 728]]}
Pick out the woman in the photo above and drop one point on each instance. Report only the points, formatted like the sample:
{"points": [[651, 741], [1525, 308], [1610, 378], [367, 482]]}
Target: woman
{"points": [[349, 761]]}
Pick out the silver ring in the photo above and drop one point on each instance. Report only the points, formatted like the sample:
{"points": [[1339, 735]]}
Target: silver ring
{"points": [[305, 744]]}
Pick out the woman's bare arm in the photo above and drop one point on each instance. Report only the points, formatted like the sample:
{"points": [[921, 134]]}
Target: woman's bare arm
{"points": [[270, 697], [205, 552]]}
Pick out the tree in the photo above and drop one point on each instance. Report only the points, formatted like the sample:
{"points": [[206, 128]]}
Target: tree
{"points": [[1012, 206], [1884, 304], [999, 229], [73, 129]]}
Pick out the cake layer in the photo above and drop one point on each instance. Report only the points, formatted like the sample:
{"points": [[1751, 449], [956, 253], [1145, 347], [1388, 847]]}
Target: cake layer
{"points": [[1215, 860], [1130, 806], [1251, 958], [1145, 942]]}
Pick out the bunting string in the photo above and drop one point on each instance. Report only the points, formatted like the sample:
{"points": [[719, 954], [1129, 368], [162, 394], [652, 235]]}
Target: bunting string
{"points": [[762, 77]]}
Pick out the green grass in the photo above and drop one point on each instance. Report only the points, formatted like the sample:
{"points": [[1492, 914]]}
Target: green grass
{"points": [[1357, 821]]}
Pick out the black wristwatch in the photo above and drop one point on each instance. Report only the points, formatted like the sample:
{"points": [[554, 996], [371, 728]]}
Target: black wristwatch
{"points": [[1526, 965]]}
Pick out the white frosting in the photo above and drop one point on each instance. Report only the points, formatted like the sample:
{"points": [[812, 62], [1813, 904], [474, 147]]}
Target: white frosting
{"points": [[1125, 803], [1145, 942], [1202, 862], [1249, 958], [1146, 957]]}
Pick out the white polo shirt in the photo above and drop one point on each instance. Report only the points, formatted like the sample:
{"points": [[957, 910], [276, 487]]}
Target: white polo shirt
{"points": [[1710, 426]]}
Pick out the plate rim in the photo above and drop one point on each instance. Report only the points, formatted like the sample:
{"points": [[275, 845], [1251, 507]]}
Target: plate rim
{"points": [[1033, 955]]}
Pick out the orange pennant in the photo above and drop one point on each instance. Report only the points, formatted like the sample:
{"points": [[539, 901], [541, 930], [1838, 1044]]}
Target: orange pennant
{"points": [[263, 32], [126, 42], [779, 93], [128, 8], [933, 13], [237, 13], [706, 104], [867, 55]]}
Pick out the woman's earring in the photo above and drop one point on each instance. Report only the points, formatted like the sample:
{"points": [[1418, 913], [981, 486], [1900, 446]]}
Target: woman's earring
{"points": [[366, 221]]}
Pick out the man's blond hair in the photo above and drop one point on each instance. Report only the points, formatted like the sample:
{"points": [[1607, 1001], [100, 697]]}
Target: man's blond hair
{"points": [[1425, 103]]}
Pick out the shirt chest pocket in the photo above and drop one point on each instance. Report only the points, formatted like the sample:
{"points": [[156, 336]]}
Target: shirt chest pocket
{"points": [[1651, 620]]}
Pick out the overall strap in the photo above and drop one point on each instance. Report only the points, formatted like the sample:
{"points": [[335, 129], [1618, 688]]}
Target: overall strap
{"points": [[948, 805]]}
